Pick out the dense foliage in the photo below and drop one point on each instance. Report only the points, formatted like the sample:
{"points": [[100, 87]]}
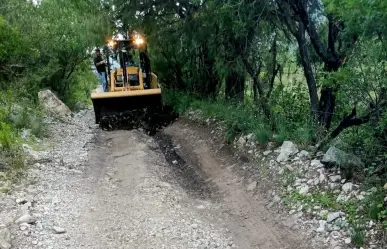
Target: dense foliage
{"points": [[44, 45], [305, 66]]}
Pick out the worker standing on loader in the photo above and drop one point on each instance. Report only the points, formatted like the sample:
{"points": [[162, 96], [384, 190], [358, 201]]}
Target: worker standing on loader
{"points": [[101, 69]]}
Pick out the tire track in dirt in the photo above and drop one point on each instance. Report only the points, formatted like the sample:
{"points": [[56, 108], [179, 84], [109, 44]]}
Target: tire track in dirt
{"points": [[247, 217]]}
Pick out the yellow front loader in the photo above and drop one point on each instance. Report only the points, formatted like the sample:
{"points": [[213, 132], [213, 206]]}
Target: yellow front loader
{"points": [[131, 86]]}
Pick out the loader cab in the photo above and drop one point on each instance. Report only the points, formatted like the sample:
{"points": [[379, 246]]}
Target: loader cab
{"points": [[129, 66]]}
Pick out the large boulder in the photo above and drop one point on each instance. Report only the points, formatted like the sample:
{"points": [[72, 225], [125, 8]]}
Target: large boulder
{"points": [[337, 157], [54, 105], [288, 149]]}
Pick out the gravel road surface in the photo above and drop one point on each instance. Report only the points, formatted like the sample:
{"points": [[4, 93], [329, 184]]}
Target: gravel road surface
{"points": [[124, 189]]}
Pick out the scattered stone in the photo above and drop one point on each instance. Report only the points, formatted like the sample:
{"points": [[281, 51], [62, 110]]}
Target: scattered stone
{"points": [[333, 185], [303, 190], [385, 186], [26, 219], [276, 199], [333, 216], [322, 226], [336, 157], [322, 178], [347, 187], [303, 154], [287, 149], [241, 142], [316, 163], [291, 221], [290, 168], [335, 178], [266, 153], [252, 186], [5, 239], [58, 230], [347, 241], [251, 137]]}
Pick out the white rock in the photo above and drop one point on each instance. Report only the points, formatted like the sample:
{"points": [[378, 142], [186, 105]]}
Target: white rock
{"points": [[347, 241], [266, 153], [287, 149], [297, 183], [26, 219], [303, 190], [333, 185], [276, 199], [347, 187], [303, 154], [322, 178], [335, 178], [251, 137], [21, 201], [290, 168], [58, 230], [322, 226], [53, 104], [338, 157], [252, 186], [5, 239], [241, 142], [316, 163], [333, 216]]}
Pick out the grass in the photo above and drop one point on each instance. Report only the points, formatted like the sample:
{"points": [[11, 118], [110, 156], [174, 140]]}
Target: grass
{"points": [[358, 236], [238, 118]]}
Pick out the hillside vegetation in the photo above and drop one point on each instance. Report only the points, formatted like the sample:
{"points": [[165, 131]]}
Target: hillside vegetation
{"points": [[43, 46], [309, 71]]}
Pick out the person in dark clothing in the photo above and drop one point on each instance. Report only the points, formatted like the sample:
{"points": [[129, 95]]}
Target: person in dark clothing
{"points": [[101, 69]]}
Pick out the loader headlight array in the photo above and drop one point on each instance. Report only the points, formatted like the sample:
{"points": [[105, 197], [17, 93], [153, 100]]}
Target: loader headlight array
{"points": [[139, 41]]}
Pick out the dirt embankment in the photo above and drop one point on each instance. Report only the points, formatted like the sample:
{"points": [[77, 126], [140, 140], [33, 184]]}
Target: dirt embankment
{"points": [[208, 166]]}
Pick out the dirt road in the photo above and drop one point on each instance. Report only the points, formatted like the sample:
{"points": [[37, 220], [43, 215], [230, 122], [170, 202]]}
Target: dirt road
{"points": [[173, 190]]}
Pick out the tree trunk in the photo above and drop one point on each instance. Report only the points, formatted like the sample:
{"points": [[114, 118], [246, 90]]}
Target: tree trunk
{"points": [[308, 71], [235, 85], [211, 80]]}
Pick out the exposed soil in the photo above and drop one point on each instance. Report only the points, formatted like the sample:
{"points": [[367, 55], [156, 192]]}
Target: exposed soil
{"points": [[178, 189], [243, 207]]}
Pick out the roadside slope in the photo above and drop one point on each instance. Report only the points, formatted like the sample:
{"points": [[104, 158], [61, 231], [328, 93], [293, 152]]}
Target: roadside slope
{"points": [[243, 206]]}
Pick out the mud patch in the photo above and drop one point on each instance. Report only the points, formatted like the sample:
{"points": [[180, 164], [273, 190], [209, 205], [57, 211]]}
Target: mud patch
{"points": [[150, 120], [185, 174]]}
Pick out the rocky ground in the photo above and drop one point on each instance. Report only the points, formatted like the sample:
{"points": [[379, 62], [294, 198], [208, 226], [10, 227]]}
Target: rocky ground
{"points": [[311, 189], [89, 188]]}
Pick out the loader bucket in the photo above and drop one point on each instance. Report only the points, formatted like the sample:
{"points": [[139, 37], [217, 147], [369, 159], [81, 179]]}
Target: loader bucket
{"points": [[118, 103]]}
